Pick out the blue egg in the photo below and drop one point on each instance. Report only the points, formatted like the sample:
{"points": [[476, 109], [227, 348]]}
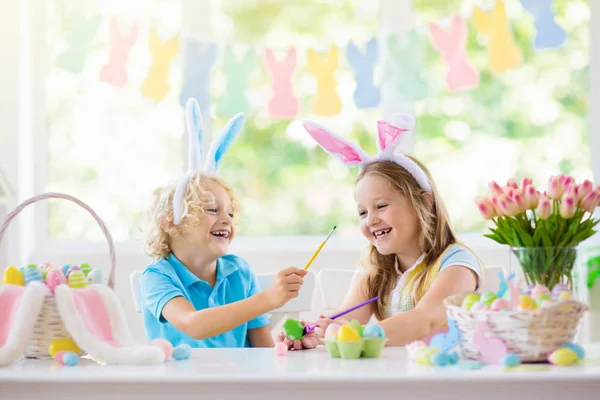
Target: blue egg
{"points": [[65, 268], [70, 358], [511, 360], [577, 349], [182, 352], [440, 359], [374, 331], [32, 275], [454, 357]]}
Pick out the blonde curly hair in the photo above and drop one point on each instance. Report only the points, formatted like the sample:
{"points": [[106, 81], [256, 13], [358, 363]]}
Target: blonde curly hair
{"points": [[196, 198]]}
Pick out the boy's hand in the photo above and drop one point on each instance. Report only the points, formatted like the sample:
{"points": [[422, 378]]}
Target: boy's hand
{"points": [[308, 341], [285, 286], [323, 322]]}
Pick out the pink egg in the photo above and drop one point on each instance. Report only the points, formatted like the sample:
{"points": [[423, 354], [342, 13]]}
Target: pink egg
{"points": [[331, 331], [499, 304], [280, 349], [54, 278], [58, 357], [165, 345], [539, 290]]}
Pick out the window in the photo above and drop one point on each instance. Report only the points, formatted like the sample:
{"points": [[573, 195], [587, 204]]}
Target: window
{"points": [[111, 146]]}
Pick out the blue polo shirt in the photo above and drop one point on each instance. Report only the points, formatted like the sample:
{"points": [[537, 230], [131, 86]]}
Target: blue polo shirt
{"points": [[168, 278]]}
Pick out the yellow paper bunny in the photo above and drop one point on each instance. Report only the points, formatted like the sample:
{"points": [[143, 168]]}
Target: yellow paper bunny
{"points": [[504, 54], [327, 102], [156, 84]]}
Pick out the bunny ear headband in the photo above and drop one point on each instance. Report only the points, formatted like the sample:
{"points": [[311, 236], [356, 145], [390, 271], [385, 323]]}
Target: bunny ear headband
{"points": [[389, 133], [218, 147]]}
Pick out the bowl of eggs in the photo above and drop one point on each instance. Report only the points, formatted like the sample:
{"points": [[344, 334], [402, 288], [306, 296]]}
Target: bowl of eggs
{"points": [[353, 341], [533, 321]]}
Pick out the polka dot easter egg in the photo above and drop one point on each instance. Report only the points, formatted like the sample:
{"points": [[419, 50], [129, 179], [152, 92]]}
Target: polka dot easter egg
{"points": [[374, 331], [77, 280], [55, 278], [12, 276]]}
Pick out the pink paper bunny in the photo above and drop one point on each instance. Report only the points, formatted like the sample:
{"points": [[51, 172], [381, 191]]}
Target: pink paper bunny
{"points": [[284, 103], [491, 349], [451, 45], [114, 71]]}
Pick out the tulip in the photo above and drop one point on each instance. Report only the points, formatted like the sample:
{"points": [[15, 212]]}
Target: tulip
{"points": [[495, 189], [572, 190], [512, 183], [555, 188], [521, 202], [526, 182], [568, 206], [509, 206], [486, 207], [566, 180], [590, 201], [532, 197], [496, 204], [544, 208], [584, 189]]}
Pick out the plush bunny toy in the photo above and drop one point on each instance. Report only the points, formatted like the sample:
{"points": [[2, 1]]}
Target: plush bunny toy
{"points": [[218, 147]]}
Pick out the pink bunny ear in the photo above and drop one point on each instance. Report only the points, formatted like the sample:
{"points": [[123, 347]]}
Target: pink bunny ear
{"points": [[349, 153], [391, 129]]}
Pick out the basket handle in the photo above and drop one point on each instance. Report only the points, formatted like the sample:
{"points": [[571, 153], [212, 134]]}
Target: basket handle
{"points": [[53, 195]]}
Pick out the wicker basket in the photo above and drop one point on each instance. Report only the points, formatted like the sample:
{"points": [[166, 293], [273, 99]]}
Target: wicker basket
{"points": [[49, 325], [532, 335]]}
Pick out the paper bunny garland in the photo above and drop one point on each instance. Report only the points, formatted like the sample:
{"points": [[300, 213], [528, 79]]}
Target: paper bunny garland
{"points": [[218, 147], [389, 133]]}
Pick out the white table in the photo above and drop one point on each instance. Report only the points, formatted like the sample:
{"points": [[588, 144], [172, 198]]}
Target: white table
{"points": [[260, 374]]}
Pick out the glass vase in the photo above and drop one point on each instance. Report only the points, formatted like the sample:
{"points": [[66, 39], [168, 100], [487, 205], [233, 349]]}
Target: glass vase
{"points": [[548, 266]]}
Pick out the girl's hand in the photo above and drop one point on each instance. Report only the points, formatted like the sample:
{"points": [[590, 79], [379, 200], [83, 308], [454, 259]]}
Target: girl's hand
{"points": [[323, 323], [308, 341]]}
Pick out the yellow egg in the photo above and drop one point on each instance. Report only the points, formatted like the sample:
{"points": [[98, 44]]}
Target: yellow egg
{"points": [[563, 357], [564, 296], [12, 276], [63, 345], [347, 334], [527, 303]]}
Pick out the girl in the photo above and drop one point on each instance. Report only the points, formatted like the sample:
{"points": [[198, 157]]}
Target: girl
{"points": [[413, 261], [194, 292]]}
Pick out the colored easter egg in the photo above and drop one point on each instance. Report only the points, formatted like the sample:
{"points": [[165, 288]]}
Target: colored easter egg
{"points": [[77, 280], [63, 344], [565, 295], [281, 349], [563, 356], [58, 357], [165, 345], [440, 359], [539, 290], [469, 300], [357, 327], [577, 349], [374, 331], [413, 347], [347, 334], [35, 266], [528, 290], [32, 275], [454, 357], [526, 303], [73, 269], [479, 306], [488, 298], [183, 351], [560, 288], [54, 278], [85, 268], [331, 331], [12, 276], [95, 276], [511, 360], [499, 304], [45, 273], [293, 329], [65, 269], [69, 358]]}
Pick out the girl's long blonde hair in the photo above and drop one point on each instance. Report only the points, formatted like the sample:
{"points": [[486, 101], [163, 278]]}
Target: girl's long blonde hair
{"points": [[196, 198], [435, 234]]}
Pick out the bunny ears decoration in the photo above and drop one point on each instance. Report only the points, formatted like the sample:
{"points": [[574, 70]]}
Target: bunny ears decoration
{"points": [[389, 133], [218, 147]]}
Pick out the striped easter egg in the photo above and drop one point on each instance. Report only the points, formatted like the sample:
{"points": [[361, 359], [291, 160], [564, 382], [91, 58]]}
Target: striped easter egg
{"points": [[77, 279], [32, 275], [86, 269]]}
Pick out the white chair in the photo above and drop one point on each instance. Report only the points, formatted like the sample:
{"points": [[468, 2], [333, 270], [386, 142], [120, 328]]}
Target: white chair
{"points": [[334, 284], [293, 308], [491, 281], [134, 283]]}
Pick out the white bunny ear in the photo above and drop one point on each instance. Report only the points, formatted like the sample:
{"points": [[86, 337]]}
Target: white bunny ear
{"points": [[222, 143], [349, 153], [193, 124], [391, 129]]}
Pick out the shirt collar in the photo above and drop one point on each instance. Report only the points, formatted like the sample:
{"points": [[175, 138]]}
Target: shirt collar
{"points": [[419, 261], [224, 269]]}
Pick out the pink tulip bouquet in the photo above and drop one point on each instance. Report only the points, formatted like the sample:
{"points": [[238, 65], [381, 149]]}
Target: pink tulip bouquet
{"points": [[542, 229]]}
